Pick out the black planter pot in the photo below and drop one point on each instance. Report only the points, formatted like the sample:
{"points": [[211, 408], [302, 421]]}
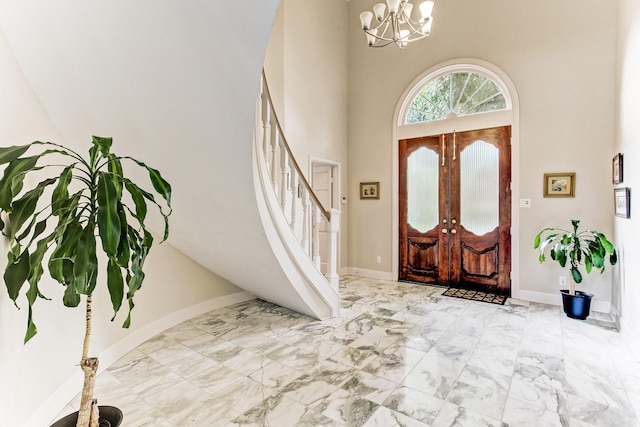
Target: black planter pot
{"points": [[576, 306], [110, 416]]}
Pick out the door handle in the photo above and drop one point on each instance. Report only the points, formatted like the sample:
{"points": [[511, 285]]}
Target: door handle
{"points": [[454, 145], [445, 231], [453, 231]]}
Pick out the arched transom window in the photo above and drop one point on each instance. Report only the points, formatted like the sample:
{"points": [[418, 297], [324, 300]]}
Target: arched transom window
{"points": [[455, 94]]}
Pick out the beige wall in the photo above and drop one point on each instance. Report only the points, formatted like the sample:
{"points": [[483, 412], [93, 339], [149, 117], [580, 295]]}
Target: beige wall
{"points": [[306, 67], [32, 373], [562, 65], [626, 289]]}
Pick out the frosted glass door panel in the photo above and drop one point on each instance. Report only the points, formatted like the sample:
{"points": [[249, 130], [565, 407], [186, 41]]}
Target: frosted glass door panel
{"points": [[422, 189], [479, 187]]}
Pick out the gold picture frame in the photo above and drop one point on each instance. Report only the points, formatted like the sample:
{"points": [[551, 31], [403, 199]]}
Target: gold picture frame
{"points": [[561, 184], [370, 190]]}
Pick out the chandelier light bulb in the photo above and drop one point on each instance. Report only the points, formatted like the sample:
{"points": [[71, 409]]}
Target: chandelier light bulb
{"points": [[379, 9], [393, 6], [407, 8], [426, 8], [371, 38], [365, 19], [426, 27]]}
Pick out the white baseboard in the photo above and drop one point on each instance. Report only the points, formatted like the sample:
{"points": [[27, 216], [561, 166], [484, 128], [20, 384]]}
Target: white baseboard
{"points": [[49, 409], [372, 274], [556, 299]]}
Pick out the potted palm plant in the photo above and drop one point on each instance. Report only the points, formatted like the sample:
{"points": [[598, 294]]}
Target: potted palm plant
{"points": [[586, 249], [87, 204]]}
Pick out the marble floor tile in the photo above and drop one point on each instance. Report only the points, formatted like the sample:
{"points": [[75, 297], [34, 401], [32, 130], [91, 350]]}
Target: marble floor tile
{"points": [[369, 387], [385, 417], [354, 357], [273, 411], [433, 382], [494, 357], [452, 415], [398, 354], [483, 401], [521, 414], [598, 392], [275, 375], [415, 404], [395, 363], [598, 414], [345, 408], [538, 394]]}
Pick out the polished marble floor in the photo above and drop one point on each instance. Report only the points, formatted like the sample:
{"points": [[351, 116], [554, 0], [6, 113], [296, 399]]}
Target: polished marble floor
{"points": [[398, 355]]}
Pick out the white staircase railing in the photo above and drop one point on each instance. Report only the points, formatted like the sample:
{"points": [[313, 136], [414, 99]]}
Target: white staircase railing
{"points": [[304, 213]]}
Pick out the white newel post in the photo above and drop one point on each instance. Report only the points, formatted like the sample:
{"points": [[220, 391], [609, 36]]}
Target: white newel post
{"points": [[332, 229]]}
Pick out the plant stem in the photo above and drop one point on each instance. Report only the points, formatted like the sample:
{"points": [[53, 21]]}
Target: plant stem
{"points": [[90, 368], [572, 284]]}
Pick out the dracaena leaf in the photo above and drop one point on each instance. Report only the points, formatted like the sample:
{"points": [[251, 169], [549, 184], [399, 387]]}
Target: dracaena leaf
{"points": [[24, 207], [103, 144], [71, 298], [115, 168], [31, 327], [35, 261], [16, 274], [66, 241], [11, 182], [60, 196], [115, 284], [158, 182], [85, 265], [9, 154], [123, 246], [138, 197], [108, 219]]}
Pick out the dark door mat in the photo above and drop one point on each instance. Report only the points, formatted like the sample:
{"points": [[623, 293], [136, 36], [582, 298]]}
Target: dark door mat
{"points": [[475, 295]]}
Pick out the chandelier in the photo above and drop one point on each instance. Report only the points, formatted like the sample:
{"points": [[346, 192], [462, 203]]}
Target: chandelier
{"points": [[395, 24]]}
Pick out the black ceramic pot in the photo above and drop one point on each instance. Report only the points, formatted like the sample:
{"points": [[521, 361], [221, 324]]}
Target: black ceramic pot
{"points": [[110, 416], [576, 306]]}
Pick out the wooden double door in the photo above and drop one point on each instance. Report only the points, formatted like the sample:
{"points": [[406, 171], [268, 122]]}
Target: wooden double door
{"points": [[455, 209]]}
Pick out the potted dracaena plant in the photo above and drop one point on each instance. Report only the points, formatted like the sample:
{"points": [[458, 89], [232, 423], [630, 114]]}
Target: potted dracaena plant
{"points": [[88, 204], [586, 249]]}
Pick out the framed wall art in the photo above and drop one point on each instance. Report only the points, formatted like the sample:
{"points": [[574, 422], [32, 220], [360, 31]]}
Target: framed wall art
{"points": [[561, 184], [370, 190], [617, 169], [622, 202]]}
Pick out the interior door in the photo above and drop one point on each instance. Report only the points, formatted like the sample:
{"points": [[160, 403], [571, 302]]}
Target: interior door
{"points": [[455, 209], [323, 186]]}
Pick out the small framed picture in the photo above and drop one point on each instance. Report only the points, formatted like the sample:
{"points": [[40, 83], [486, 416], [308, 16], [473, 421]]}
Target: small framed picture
{"points": [[370, 190], [622, 202], [617, 169], [560, 184]]}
